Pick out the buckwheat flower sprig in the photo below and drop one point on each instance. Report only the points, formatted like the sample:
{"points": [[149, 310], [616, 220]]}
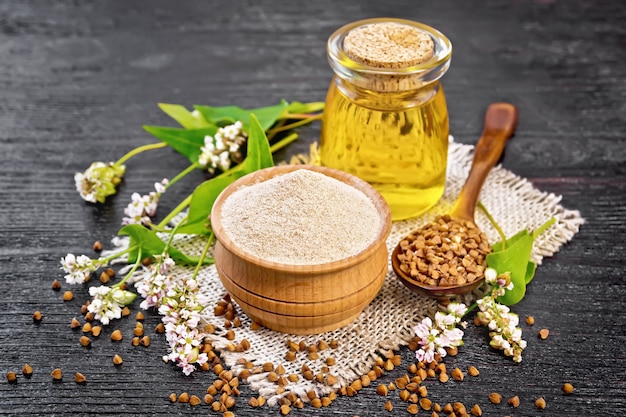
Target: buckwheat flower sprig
{"points": [[180, 303], [181, 308], [79, 268], [107, 302], [435, 337], [223, 149], [101, 179], [504, 332], [156, 282], [142, 208]]}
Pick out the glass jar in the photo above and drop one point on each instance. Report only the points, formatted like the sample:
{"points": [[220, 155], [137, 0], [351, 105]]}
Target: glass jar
{"points": [[386, 118]]}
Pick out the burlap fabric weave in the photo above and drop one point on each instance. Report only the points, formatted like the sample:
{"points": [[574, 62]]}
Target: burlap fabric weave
{"points": [[386, 324]]}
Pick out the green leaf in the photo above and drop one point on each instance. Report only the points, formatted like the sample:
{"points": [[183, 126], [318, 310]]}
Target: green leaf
{"points": [[258, 148], [299, 108], [230, 114], [497, 247], [184, 117], [201, 204], [530, 271], [513, 259], [152, 245], [185, 141], [258, 157]]}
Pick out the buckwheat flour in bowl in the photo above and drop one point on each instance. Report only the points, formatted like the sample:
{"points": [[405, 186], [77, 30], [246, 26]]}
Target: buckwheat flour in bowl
{"points": [[301, 218], [301, 249]]}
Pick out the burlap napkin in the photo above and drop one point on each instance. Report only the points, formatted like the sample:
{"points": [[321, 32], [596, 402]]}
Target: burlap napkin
{"points": [[386, 324]]}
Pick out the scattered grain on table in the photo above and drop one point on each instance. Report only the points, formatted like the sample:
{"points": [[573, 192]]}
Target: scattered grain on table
{"points": [[540, 403], [568, 388], [56, 374], [514, 401], [37, 316]]}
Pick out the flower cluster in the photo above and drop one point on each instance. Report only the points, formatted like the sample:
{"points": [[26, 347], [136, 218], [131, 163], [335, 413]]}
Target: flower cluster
{"points": [[180, 304], [502, 323], [99, 181], [143, 207], [154, 287], [223, 149], [435, 337], [79, 268], [107, 302]]}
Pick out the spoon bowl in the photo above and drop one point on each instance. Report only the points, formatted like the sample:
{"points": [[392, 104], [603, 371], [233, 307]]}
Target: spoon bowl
{"points": [[443, 294], [500, 122]]}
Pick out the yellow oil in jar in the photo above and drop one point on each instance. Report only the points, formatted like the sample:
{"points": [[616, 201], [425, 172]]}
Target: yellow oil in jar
{"points": [[401, 152]]}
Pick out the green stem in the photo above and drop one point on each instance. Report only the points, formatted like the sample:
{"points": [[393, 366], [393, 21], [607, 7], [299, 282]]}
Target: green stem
{"points": [[544, 227], [305, 120], [283, 142], [116, 255], [203, 255], [278, 124], [182, 174], [180, 207], [132, 271], [173, 232], [494, 223], [471, 308], [139, 150]]}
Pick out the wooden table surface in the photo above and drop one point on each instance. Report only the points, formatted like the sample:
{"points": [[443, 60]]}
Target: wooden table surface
{"points": [[79, 79]]}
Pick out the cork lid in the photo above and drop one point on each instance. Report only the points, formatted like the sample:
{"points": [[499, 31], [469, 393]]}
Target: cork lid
{"points": [[388, 45]]}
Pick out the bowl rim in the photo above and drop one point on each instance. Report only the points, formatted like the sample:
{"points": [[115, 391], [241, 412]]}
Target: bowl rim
{"points": [[268, 173]]}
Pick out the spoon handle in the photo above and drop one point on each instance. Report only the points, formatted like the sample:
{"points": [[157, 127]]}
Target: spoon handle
{"points": [[500, 122]]}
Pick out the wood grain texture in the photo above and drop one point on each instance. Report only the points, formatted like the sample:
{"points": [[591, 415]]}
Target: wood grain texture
{"points": [[79, 79]]}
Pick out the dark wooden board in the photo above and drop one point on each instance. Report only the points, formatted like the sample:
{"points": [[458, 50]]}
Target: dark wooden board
{"points": [[79, 79]]}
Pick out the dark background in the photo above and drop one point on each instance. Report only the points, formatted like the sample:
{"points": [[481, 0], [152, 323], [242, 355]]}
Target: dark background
{"points": [[78, 79]]}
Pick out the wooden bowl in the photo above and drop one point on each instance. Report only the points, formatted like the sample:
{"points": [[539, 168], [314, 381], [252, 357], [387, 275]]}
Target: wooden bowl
{"points": [[443, 294], [302, 299]]}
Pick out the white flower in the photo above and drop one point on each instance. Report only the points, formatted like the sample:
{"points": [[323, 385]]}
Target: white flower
{"points": [[502, 323], [160, 186], [143, 207], [79, 268], [219, 143], [222, 149], [491, 275], [98, 181], [102, 305], [444, 320], [224, 161], [180, 304], [457, 309], [434, 338], [156, 283]]}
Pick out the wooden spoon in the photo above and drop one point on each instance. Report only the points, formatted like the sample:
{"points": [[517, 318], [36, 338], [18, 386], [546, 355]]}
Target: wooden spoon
{"points": [[446, 258]]}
